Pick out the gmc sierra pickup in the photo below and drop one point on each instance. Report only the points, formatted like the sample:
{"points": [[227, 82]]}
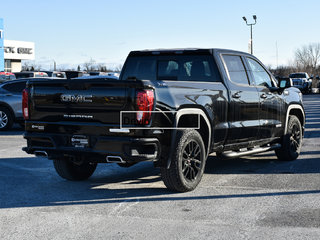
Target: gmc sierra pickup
{"points": [[172, 107]]}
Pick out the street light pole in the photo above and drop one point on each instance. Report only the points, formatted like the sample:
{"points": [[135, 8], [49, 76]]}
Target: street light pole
{"points": [[251, 24]]}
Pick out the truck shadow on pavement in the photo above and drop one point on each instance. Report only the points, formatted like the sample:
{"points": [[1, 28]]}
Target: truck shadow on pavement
{"points": [[15, 131], [33, 182]]}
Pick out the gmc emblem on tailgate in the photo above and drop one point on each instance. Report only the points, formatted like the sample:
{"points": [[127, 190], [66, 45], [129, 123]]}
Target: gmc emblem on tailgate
{"points": [[76, 98]]}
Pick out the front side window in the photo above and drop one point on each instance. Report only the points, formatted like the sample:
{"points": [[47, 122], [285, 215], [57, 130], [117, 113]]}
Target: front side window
{"points": [[260, 75], [235, 69]]}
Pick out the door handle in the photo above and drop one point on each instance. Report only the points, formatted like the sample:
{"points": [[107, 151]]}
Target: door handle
{"points": [[236, 95], [8, 94], [263, 96]]}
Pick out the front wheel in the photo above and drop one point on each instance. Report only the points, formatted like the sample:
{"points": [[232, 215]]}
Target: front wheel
{"points": [[187, 162], [292, 141], [73, 171]]}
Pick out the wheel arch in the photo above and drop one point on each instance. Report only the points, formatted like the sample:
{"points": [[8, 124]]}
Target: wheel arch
{"points": [[297, 110], [204, 127]]}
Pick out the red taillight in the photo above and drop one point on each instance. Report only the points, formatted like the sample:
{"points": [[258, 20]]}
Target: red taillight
{"points": [[25, 107], [144, 101]]}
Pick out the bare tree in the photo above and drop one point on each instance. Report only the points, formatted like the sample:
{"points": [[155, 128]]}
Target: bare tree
{"points": [[26, 66], [118, 68], [102, 67], [307, 58], [89, 65]]}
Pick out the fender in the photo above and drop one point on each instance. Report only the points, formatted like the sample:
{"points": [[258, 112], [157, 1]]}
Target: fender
{"points": [[188, 111], [290, 107]]}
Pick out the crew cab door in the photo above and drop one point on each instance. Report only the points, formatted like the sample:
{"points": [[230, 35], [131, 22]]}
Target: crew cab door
{"points": [[271, 102], [243, 115]]}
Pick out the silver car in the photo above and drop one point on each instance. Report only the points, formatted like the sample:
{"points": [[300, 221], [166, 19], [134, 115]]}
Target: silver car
{"points": [[10, 103]]}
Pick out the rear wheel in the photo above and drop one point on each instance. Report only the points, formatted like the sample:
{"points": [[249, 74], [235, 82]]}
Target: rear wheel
{"points": [[73, 171], [187, 162], [292, 141], [6, 119]]}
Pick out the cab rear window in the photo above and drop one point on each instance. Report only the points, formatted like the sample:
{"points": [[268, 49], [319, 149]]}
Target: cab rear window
{"points": [[179, 68]]}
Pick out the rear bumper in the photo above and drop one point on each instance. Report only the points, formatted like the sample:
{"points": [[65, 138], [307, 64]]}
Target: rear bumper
{"points": [[129, 149]]}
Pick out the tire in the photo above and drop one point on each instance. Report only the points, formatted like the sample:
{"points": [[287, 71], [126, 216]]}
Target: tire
{"points": [[69, 170], [6, 119], [292, 141], [187, 162]]}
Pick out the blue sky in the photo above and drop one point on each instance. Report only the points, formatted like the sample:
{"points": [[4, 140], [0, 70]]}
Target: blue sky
{"points": [[73, 31]]}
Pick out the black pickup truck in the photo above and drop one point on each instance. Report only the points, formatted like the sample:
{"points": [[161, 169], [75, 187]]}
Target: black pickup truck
{"points": [[172, 107]]}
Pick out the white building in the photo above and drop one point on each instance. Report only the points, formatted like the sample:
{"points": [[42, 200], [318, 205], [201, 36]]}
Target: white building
{"points": [[14, 52]]}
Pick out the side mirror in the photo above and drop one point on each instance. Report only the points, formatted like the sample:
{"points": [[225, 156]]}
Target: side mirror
{"points": [[285, 83], [317, 77]]}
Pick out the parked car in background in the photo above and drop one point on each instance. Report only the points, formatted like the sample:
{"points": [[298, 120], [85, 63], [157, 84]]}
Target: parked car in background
{"points": [[55, 74], [116, 74], [6, 76], [104, 77], [303, 81], [73, 74], [30, 74], [11, 103]]}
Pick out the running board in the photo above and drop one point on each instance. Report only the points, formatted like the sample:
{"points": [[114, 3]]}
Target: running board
{"points": [[250, 152]]}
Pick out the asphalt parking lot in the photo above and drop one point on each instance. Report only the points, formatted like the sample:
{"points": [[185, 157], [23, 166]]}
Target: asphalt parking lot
{"points": [[254, 197]]}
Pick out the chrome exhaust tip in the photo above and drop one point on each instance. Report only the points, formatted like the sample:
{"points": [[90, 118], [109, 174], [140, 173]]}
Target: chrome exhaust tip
{"points": [[41, 153], [114, 159]]}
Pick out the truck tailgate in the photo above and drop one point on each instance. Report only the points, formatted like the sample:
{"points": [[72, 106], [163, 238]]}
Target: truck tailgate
{"points": [[93, 100]]}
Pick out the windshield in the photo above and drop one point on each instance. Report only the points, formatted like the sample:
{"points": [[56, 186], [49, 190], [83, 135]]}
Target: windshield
{"points": [[172, 67], [297, 75]]}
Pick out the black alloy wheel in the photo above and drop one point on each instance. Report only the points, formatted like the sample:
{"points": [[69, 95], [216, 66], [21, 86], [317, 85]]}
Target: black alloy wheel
{"points": [[188, 161], [191, 161], [292, 141], [295, 138]]}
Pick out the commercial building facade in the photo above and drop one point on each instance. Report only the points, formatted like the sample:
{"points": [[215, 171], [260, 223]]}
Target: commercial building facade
{"points": [[1, 46], [13, 52]]}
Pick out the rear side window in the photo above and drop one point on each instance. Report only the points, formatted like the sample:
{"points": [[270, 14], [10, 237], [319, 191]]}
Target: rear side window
{"points": [[173, 67], [235, 69], [140, 68], [15, 87]]}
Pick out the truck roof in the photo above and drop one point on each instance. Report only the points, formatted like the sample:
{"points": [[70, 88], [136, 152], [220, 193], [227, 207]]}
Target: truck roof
{"points": [[182, 51]]}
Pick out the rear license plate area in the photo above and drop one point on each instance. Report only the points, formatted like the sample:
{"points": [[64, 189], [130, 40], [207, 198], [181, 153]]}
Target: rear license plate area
{"points": [[79, 141]]}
